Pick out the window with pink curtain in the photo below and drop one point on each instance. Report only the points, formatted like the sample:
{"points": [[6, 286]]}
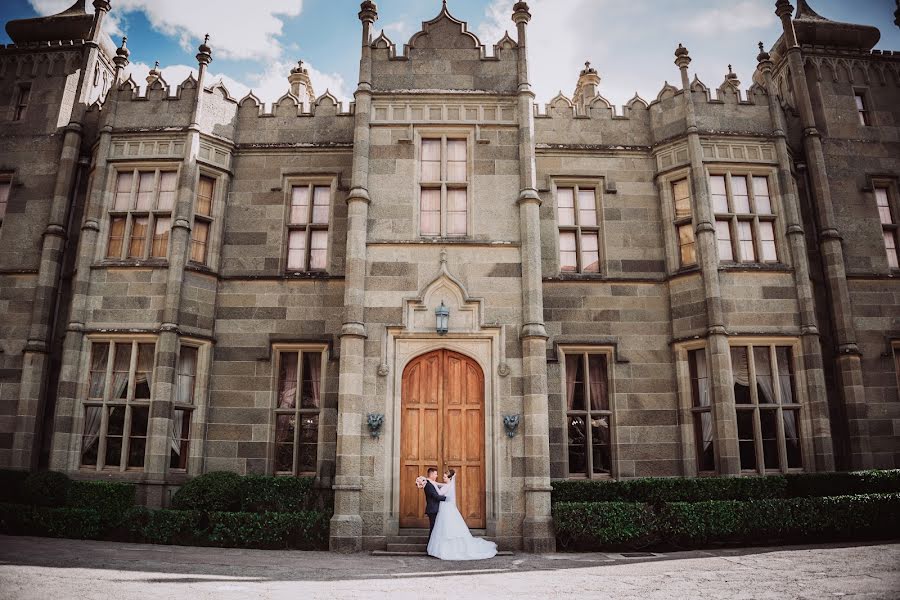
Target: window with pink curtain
{"points": [[588, 414], [297, 411]]}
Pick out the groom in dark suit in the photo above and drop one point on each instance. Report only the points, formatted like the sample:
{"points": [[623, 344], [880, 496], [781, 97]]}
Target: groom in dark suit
{"points": [[432, 499]]}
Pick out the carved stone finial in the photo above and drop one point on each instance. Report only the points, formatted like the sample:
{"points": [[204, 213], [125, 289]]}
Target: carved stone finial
{"points": [[122, 53], [521, 13], [368, 12], [153, 74], [783, 9], [682, 57], [204, 54], [763, 56]]}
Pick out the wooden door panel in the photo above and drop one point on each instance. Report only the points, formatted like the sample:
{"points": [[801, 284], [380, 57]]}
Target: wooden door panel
{"points": [[442, 425]]}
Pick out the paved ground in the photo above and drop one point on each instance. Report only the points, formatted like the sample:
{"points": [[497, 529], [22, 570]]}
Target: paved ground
{"points": [[46, 569]]}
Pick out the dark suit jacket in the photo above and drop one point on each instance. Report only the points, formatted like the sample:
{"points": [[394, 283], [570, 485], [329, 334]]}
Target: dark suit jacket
{"points": [[432, 499]]}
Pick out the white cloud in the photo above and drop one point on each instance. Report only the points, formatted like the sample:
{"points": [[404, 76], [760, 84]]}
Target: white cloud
{"points": [[398, 31], [238, 30], [741, 16]]}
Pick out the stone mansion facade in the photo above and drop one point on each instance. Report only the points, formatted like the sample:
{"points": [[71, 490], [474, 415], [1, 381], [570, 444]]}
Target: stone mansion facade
{"points": [[445, 273]]}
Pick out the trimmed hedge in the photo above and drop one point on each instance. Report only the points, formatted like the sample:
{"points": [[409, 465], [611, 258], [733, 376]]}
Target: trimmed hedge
{"points": [[11, 485], [223, 491], [596, 525], [46, 488], [656, 490], [77, 523]]}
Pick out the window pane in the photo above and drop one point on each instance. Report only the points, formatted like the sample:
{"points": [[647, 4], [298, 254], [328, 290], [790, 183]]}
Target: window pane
{"points": [[137, 440], [99, 359], [456, 212], [123, 191], [310, 396], [577, 445], [187, 373], [116, 237], [792, 438], [765, 393], [699, 378], [568, 255], [90, 440], [682, 197], [587, 208], [296, 260], [740, 371], [146, 190], [4, 197], [456, 160], [318, 250], [767, 241], [575, 382], [768, 423], [590, 253], [287, 380], [746, 443], [597, 374], [430, 212], [687, 249], [309, 443], [199, 238], [431, 160], [160, 246], [723, 239], [706, 460], [860, 104], [321, 204], [745, 238], [299, 205], [205, 190], [121, 367], [167, 186], [884, 206], [115, 428], [785, 374], [600, 444], [179, 441], [890, 246], [284, 443], [718, 193], [761, 195], [139, 227], [565, 206], [143, 376], [740, 194]]}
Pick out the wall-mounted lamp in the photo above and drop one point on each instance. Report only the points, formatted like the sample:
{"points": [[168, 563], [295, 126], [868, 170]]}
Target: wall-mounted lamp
{"points": [[442, 319], [375, 421]]}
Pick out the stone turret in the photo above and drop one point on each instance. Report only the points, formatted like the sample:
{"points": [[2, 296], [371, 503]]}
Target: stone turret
{"points": [[153, 75], [587, 87], [301, 84]]}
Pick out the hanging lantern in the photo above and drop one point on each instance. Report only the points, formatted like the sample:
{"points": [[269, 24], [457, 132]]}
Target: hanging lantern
{"points": [[442, 319]]}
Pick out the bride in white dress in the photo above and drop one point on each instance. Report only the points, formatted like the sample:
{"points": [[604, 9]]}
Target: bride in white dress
{"points": [[451, 538]]}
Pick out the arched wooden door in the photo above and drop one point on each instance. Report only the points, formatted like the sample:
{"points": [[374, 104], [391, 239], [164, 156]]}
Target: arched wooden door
{"points": [[442, 425]]}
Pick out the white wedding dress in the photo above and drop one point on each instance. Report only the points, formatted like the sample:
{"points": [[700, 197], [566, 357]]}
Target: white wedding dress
{"points": [[451, 538]]}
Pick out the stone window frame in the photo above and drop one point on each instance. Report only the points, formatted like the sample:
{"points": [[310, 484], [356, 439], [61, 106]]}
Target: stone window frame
{"points": [[310, 181], [466, 133], [106, 402], [800, 404], [153, 214], [754, 217], [6, 183], [578, 184], [21, 100], [689, 409], [891, 229], [665, 185], [864, 113], [208, 219], [895, 355], [277, 351], [609, 353], [197, 406], [684, 223]]}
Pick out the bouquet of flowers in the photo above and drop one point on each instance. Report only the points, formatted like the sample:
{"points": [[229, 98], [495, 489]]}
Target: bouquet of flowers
{"points": [[420, 482]]}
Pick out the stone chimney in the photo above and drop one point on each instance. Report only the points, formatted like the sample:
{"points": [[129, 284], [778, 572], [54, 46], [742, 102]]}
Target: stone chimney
{"points": [[587, 87], [301, 85]]}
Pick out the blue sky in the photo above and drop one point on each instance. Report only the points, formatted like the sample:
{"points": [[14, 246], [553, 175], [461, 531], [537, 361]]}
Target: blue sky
{"points": [[629, 42]]}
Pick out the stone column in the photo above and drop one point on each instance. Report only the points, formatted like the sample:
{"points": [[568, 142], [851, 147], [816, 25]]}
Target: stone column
{"points": [[823, 451], [346, 524], [537, 529], [99, 197], [849, 368], [724, 416], [36, 359], [159, 427]]}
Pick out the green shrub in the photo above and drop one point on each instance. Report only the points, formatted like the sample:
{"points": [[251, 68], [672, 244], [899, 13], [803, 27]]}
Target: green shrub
{"points": [[46, 488], [216, 491], [184, 527], [112, 500], [263, 493], [306, 530], [11, 485], [77, 523], [843, 484], [600, 525]]}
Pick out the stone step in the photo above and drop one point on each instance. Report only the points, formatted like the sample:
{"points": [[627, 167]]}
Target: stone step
{"points": [[407, 539], [420, 553], [393, 547]]}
